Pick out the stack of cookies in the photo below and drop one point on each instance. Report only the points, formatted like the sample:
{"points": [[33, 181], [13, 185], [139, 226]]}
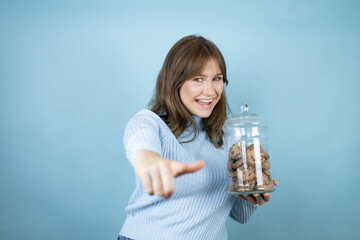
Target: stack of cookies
{"points": [[249, 169]]}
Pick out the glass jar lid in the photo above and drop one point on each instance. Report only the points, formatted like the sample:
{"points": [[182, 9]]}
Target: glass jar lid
{"points": [[245, 118]]}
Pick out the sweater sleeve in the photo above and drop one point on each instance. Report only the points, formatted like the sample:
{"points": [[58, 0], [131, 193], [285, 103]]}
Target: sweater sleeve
{"points": [[242, 210], [142, 132]]}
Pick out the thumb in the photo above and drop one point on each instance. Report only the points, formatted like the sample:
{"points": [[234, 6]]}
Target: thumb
{"points": [[182, 168], [275, 182]]}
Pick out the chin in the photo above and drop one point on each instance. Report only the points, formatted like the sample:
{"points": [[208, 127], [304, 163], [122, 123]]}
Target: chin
{"points": [[203, 114]]}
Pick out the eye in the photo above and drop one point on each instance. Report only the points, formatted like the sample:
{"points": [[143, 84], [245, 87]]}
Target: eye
{"points": [[217, 78], [198, 79]]}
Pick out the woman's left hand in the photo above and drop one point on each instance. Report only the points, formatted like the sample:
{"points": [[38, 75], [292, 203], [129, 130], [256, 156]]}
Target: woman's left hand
{"points": [[258, 198]]}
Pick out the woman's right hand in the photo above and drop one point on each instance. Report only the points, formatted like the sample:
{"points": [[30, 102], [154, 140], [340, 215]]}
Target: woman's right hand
{"points": [[157, 174]]}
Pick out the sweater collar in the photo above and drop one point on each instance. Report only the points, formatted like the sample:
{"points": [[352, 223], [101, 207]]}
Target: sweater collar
{"points": [[189, 132], [198, 120]]}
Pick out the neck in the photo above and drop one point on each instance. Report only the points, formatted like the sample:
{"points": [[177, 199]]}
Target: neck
{"points": [[198, 120]]}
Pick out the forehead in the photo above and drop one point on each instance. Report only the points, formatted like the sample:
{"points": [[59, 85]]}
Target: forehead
{"points": [[210, 65]]}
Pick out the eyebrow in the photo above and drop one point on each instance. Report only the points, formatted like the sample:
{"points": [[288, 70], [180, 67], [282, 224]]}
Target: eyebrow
{"points": [[201, 75]]}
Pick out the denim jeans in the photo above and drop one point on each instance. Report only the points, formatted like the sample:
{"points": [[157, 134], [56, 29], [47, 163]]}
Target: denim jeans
{"points": [[123, 238]]}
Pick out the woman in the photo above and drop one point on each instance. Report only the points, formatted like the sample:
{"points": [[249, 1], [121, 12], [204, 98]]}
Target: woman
{"points": [[176, 150]]}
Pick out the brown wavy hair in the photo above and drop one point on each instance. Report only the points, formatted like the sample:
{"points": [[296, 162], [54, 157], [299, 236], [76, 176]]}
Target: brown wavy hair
{"points": [[185, 60]]}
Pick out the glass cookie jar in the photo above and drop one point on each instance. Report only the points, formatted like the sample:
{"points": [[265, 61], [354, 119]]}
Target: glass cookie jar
{"points": [[246, 140]]}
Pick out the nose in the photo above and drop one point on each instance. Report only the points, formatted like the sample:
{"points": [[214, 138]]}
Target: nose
{"points": [[209, 88]]}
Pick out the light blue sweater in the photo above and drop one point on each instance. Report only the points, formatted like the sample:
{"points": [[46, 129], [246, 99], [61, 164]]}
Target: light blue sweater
{"points": [[200, 206]]}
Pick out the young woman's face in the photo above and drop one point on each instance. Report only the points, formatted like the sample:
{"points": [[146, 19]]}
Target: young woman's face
{"points": [[201, 93]]}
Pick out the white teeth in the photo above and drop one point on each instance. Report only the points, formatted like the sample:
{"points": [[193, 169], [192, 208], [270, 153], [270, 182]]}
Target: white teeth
{"points": [[205, 100]]}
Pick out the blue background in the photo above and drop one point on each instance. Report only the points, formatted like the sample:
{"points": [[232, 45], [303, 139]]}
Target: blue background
{"points": [[72, 73]]}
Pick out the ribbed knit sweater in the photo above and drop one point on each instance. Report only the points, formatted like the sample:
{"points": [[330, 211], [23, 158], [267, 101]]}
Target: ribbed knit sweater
{"points": [[199, 206]]}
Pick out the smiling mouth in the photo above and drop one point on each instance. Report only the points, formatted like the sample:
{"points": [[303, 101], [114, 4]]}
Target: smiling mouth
{"points": [[204, 102]]}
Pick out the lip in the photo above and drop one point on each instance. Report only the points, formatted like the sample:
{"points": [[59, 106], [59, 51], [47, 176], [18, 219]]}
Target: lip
{"points": [[205, 104]]}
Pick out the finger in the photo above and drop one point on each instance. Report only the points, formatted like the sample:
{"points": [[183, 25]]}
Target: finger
{"points": [[146, 181], [167, 180], [259, 199], [156, 181], [250, 199], [180, 168], [240, 196], [275, 182], [267, 197], [193, 167]]}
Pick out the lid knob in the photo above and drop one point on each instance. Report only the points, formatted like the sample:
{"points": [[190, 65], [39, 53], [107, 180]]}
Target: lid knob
{"points": [[244, 108]]}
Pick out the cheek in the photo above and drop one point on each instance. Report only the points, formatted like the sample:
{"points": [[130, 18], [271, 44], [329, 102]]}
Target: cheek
{"points": [[219, 89], [188, 90]]}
